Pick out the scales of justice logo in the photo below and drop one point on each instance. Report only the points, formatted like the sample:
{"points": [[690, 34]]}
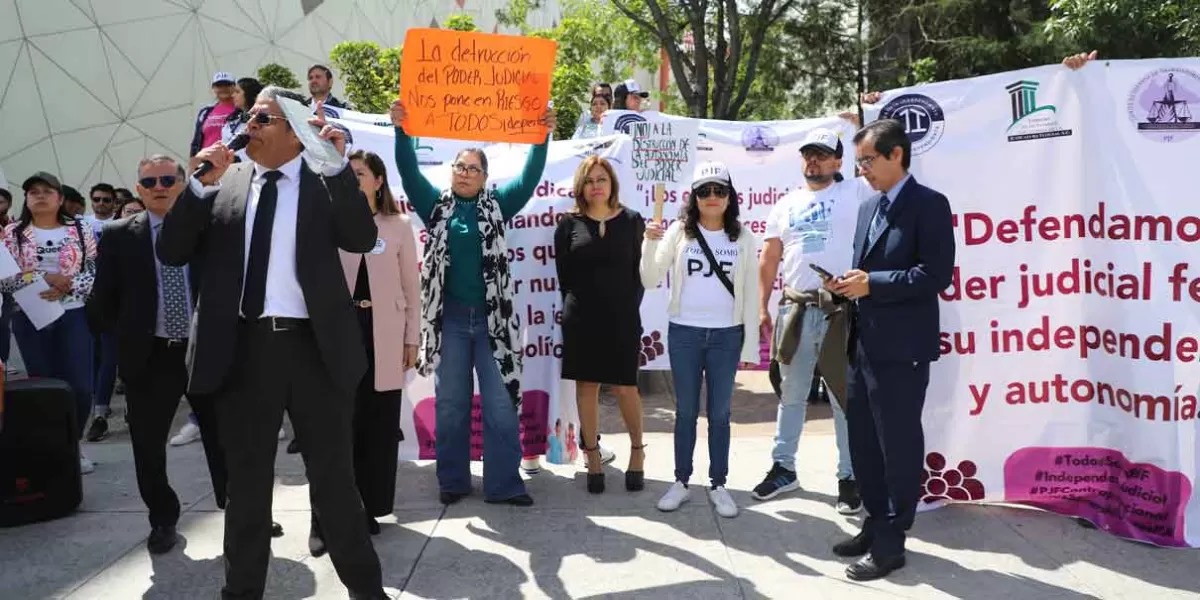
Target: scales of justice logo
{"points": [[1160, 105]]}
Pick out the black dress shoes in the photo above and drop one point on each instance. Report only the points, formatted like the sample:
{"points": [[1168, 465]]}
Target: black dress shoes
{"points": [[162, 539], [372, 525], [276, 530], [869, 568], [855, 546]]}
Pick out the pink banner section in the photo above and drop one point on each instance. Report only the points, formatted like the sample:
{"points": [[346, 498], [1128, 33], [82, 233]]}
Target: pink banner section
{"points": [[535, 411], [1139, 501]]}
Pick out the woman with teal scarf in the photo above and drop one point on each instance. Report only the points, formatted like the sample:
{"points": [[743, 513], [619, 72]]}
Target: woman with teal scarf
{"points": [[468, 325]]}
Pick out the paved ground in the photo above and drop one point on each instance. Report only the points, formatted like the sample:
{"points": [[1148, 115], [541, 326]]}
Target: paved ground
{"points": [[572, 545]]}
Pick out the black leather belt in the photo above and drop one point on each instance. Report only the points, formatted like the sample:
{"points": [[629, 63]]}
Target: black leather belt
{"points": [[171, 342], [280, 323]]}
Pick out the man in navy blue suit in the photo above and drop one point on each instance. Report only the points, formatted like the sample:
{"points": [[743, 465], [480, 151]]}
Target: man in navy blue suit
{"points": [[903, 256]]}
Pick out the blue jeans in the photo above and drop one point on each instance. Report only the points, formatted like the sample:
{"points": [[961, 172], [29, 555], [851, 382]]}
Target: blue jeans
{"points": [[466, 349], [797, 381], [711, 355], [106, 371], [62, 350]]}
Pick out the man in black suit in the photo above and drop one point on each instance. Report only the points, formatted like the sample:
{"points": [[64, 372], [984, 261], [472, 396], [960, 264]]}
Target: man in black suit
{"points": [[269, 336], [904, 255], [148, 306]]}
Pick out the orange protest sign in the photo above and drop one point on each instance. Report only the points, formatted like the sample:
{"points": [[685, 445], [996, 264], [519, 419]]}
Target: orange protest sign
{"points": [[476, 86]]}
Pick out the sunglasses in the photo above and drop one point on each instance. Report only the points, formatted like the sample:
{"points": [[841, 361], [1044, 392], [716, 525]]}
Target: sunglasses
{"points": [[165, 181], [263, 118], [719, 191]]}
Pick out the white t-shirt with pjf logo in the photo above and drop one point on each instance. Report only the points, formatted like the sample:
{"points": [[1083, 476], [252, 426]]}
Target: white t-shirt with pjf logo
{"points": [[704, 301], [51, 243], [818, 228]]}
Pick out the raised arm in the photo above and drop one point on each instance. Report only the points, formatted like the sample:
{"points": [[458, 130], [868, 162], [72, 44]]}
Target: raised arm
{"points": [[185, 224], [354, 228], [515, 194], [422, 194], [658, 254]]}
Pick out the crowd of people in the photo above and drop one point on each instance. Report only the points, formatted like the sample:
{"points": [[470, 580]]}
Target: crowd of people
{"points": [[258, 284]]}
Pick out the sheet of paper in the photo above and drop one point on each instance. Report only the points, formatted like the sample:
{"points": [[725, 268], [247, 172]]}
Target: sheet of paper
{"points": [[8, 266], [315, 148], [41, 312]]}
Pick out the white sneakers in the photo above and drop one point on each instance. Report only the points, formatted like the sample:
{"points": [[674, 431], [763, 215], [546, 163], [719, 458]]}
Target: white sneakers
{"points": [[85, 464], [723, 502], [674, 498], [719, 496], [532, 465], [187, 434]]}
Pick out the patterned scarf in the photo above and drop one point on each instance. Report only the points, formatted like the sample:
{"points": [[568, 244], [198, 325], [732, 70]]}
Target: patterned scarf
{"points": [[503, 324]]}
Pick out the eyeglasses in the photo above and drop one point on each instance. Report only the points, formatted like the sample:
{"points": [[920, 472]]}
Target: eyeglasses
{"points": [[165, 181], [102, 200], [865, 162], [263, 118], [719, 191], [463, 169]]}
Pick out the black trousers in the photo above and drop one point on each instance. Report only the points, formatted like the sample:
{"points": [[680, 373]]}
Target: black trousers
{"points": [[275, 371], [887, 445], [377, 433], [152, 400]]}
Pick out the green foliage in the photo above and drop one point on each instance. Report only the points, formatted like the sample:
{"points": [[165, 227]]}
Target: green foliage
{"points": [[461, 22], [370, 74], [1129, 28], [594, 44], [278, 75]]}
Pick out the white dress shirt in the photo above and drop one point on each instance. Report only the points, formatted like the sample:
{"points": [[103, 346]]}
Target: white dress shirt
{"points": [[284, 298]]}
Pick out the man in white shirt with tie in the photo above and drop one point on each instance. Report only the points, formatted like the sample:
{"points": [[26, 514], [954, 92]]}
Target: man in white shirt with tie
{"points": [[270, 337]]}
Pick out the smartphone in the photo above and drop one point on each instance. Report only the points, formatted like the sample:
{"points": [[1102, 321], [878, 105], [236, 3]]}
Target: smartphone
{"points": [[825, 275]]}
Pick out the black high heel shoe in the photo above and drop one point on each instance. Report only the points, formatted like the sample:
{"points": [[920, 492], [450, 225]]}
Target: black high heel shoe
{"points": [[635, 481], [595, 481]]}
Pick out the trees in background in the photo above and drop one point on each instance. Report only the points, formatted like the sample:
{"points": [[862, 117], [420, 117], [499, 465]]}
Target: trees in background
{"points": [[278, 75]]}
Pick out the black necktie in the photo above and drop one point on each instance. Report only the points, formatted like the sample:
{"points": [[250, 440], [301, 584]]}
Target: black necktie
{"points": [[255, 288]]}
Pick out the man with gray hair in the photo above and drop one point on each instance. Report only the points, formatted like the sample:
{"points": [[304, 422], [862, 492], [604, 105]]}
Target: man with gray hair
{"points": [[147, 307]]}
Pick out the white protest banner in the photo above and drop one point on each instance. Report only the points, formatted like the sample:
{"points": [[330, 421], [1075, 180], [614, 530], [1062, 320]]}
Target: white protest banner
{"points": [[1069, 372], [1071, 362], [664, 153]]}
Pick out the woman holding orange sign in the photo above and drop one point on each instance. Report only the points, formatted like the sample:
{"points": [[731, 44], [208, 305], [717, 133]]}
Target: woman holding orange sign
{"points": [[468, 325]]}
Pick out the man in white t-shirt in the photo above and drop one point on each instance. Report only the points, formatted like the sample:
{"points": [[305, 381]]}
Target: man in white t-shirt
{"points": [[813, 225]]}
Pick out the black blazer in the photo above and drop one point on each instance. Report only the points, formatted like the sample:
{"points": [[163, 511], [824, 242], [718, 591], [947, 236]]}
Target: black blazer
{"points": [[332, 214], [908, 265], [124, 299]]}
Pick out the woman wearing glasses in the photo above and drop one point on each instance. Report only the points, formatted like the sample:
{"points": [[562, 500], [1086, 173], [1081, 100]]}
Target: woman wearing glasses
{"points": [[597, 249], [468, 324], [713, 326]]}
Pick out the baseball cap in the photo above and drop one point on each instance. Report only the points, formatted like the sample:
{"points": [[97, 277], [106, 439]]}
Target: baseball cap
{"points": [[710, 172], [42, 177], [223, 77], [630, 87], [825, 140]]}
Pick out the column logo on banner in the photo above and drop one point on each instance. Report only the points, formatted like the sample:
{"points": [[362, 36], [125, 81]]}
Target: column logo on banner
{"points": [[1030, 121], [923, 119], [1160, 105]]}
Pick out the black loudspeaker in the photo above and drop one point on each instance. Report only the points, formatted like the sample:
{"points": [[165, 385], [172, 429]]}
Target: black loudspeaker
{"points": [[39, 452]]}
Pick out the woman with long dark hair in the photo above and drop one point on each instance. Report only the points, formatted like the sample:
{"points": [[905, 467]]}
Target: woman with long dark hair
{"points": [[385, 292], [51, 246], [713, 310], [468, 322], [597, 248], [590, 126]]}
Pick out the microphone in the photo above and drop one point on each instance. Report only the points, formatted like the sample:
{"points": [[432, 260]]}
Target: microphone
{"points": [[238, 142]]}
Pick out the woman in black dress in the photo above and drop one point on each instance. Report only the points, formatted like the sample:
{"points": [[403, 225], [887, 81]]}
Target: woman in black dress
{"points": [[597, 252]]}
